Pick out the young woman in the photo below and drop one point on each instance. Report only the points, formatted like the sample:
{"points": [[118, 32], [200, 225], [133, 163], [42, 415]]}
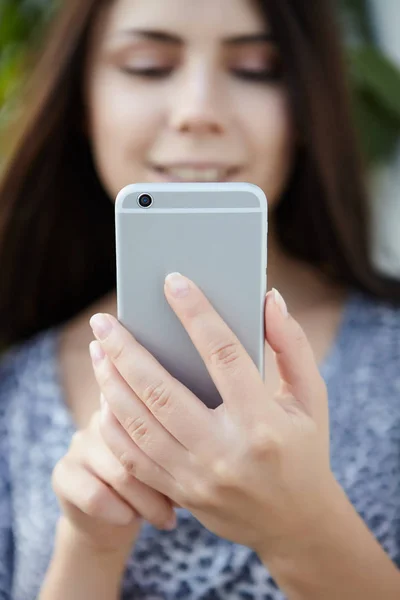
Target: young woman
{"points": [[271, 498]]}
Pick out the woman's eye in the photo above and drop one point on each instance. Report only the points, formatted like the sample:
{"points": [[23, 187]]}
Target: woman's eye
{"points": [[151, 73], [245, 74], [257, 76]]}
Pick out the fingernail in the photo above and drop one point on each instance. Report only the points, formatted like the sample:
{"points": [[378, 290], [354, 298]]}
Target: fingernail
{"points": [[96, 352], [101, 326], [171, 524], [279, 301], [177, 284]]}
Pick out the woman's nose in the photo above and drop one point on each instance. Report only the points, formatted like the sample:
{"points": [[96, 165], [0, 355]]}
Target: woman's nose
{"points": [[197, 105]]}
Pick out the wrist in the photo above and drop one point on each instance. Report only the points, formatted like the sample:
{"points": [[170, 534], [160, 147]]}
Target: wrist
{"points": [[297, 559], [71, 540], [79, 570], [335, 556]]}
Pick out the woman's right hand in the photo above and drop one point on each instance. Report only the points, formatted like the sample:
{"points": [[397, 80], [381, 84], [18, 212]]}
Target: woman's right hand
{"points": [[102, 504]]}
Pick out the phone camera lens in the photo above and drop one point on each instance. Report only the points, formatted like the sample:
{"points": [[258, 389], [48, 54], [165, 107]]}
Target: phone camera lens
{"points": [[145, 201]]}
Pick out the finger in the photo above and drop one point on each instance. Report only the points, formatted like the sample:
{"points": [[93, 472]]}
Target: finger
{"points": [[294, 357], [129, 455], [139, 423], [173, 405], [148, 503], [230, 366], [75, 485]]}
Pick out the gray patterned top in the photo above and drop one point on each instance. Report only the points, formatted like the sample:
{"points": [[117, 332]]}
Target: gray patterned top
{"points": [[362, 372]]}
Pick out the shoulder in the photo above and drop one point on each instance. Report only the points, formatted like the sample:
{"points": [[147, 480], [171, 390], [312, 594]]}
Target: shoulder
{"points": [[26, 368], [378, 317], [373, 335]]}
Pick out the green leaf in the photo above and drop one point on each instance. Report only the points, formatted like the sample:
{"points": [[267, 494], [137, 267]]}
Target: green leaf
{"points": [[358, 14], [21, 21], [374, 73], [378, 131], [11, 72]]}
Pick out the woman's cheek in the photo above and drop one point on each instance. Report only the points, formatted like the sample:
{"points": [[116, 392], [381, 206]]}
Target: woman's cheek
{"points": [[274, 144], [122, 127]]}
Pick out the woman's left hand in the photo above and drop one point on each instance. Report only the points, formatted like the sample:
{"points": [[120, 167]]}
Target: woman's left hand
{"points": [[256, 469]]}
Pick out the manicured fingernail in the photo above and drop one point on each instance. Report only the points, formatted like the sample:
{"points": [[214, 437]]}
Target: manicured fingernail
{"points": [[171, 524], [177, 284], [96, 352], [101, 326], [279, 301]]}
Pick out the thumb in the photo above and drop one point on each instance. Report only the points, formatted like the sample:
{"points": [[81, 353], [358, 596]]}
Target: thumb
{"points": [[294, 357]]}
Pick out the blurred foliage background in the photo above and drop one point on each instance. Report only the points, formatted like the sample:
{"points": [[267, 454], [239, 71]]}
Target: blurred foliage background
{"points": [[375, 80]]}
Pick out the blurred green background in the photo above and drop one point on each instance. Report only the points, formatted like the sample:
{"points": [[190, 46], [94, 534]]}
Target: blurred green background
{"points": [[374, 78]]}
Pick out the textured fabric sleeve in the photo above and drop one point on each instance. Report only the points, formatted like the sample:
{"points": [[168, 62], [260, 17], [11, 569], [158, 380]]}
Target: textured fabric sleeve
{"points": [[6, 536]]}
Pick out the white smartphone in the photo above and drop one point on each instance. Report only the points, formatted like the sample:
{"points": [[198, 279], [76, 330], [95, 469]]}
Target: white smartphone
{"points": [[213, 233]]}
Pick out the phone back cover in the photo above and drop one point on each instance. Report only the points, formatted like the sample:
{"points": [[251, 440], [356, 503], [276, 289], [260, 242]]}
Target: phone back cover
{"points": [[215, 234]]}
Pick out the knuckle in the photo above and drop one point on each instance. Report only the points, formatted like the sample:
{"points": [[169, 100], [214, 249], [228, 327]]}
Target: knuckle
{"points": [[122, 478], [129, 464], [106, 377], [58, 475], [224, 474], [289, 403], [76, 438], [136, 428], [93, 499], [265, 443], [300, 338], [94, 421], [224, 354], [199, 494], [156, 396], [117, 349], [78, 443]]}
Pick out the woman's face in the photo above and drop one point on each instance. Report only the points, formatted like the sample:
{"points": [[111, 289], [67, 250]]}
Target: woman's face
{"points": [[187, 90]]}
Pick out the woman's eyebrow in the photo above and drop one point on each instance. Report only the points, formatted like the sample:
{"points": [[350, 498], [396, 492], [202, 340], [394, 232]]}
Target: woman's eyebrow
{"points": [[149, 34], [170, 38]]}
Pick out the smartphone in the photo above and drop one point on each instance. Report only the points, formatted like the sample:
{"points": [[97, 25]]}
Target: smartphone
{"points": [[213, 233]]}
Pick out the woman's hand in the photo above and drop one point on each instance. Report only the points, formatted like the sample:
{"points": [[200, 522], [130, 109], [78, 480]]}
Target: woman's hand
{"points": [[102, 503], [255, 470]]}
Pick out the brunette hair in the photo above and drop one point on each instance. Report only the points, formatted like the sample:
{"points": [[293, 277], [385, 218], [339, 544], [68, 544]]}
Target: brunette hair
{"points": [[57, 247]]}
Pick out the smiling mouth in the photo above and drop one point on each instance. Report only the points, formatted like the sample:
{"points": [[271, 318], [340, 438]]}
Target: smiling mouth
{"points": [[196, 174]]}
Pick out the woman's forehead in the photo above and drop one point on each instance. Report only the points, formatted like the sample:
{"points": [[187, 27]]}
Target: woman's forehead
{"points": [[215, 18]]}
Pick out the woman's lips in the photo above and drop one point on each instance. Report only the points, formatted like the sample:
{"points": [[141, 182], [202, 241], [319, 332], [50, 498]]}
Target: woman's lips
{"points": [[192, 174]]}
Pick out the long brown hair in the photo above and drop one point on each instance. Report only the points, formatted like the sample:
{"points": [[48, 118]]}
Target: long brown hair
{"points": [[57, 247]]}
